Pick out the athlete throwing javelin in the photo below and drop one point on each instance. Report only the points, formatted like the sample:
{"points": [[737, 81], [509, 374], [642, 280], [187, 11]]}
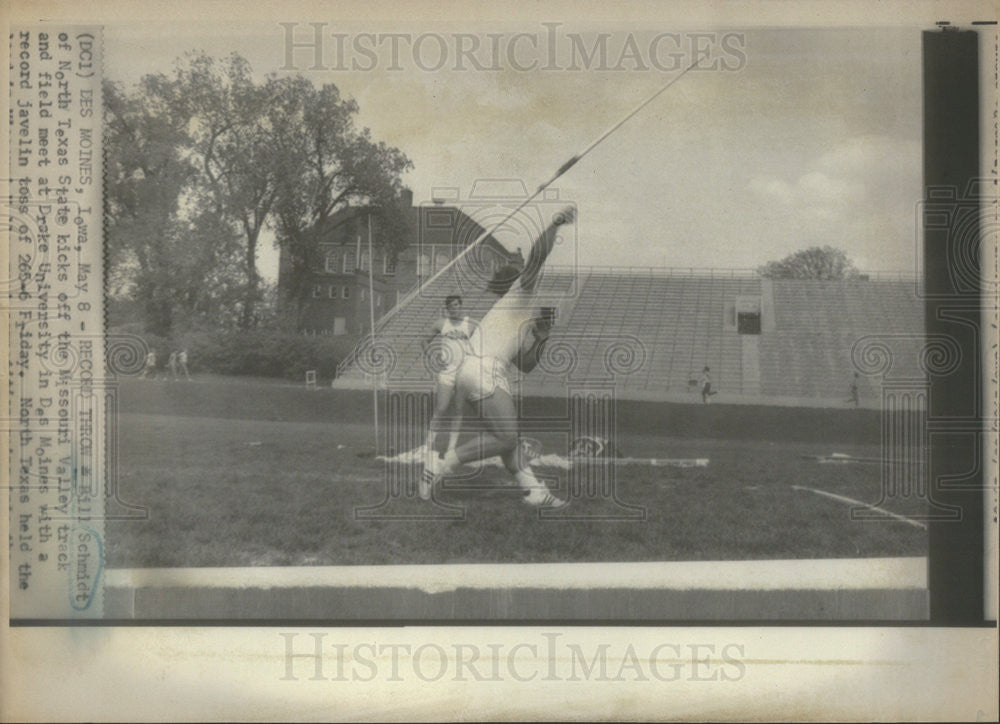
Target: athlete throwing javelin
{"points": [[514, 332]]}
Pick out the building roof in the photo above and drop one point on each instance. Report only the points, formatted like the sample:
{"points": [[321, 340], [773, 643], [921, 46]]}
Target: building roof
{"points": [[435, 223]]}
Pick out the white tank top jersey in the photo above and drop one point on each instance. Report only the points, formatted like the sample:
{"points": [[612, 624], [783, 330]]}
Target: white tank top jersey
{"points": [[457, 332], [502, 330]]}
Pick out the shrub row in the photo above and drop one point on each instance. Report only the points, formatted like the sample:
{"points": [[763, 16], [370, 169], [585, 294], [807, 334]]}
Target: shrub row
{"points": [[265, 352]]}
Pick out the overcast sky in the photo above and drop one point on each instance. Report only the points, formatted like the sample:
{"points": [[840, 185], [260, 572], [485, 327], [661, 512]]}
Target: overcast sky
{"points": [[815, 140]]}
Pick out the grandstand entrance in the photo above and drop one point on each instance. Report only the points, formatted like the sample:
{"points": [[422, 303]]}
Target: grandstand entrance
{"points": [[748, 315], [748, 323]]}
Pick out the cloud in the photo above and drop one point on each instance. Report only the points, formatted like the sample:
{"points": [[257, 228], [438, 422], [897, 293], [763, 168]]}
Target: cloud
{"points": [[812, 190], [866, 171], [829, 189], [858, 195], [867, 154], [768, 188]]}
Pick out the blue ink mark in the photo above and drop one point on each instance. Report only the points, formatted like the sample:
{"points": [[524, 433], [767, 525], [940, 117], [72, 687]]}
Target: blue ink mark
{"points": [[79, 599]]}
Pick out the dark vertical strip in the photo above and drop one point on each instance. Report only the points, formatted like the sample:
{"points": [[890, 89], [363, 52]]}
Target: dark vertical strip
{"points": [[951, 246]]}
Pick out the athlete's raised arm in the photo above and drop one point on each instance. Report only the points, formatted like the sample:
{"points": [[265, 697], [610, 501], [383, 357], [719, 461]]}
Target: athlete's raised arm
{"points": [[542, 246]]}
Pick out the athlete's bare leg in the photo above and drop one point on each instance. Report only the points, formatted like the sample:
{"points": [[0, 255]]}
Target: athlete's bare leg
{"points": [[444, 396], [500, 415], [501, 438]]}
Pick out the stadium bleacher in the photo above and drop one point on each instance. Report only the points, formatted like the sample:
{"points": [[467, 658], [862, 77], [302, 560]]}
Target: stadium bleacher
{"points": [[817, 323], [677, 318], [803, 354]]}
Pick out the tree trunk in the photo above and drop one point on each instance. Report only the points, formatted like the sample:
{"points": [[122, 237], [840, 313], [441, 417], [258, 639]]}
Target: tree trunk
{"points": [[253, 281]]}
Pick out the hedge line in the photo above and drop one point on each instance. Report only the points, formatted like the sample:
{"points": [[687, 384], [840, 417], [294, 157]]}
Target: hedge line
{"points": [[257, 352]]}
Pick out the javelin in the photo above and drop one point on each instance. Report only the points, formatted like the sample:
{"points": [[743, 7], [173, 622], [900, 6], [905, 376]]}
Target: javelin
{"points": [[562, 169]]}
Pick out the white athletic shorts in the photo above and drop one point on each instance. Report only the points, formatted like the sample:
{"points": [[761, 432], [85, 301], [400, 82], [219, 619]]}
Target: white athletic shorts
{"points": [[448, 377], [453, 359], [479, 377]]}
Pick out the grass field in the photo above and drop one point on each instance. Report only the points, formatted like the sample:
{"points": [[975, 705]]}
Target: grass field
{"points": [[239, 472]]}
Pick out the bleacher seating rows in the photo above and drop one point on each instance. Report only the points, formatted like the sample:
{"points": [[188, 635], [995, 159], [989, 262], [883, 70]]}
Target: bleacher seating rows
{"points": [[677, 319], [679, 322], [817, 323]]}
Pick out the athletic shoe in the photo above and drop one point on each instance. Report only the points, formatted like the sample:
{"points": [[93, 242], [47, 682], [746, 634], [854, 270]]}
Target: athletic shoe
{"points": [[426, 484], [539, 498], [429, 477]]}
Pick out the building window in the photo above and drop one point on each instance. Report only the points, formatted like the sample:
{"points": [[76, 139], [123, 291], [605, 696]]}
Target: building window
{"points": [[363, 297], [378, 299], [349, 263], [330, 263], [339, 325], [423, 265], [345, 293], [364, 261], [331, 291], [388, 266], [317, 290], [441, 261]]}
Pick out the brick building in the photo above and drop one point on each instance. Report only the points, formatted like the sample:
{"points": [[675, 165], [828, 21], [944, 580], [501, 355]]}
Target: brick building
{"points": [[340, 294]]}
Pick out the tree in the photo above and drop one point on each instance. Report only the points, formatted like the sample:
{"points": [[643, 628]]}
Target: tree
{"points": [[233, 147], [329, 165], [166, 251], [812, 263], [145, 175], [202, 161], [210, 286]]}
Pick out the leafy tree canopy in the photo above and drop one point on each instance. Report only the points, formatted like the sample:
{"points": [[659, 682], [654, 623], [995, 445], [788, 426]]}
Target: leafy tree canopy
{"points": [[813, 263], [201, 161]]}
